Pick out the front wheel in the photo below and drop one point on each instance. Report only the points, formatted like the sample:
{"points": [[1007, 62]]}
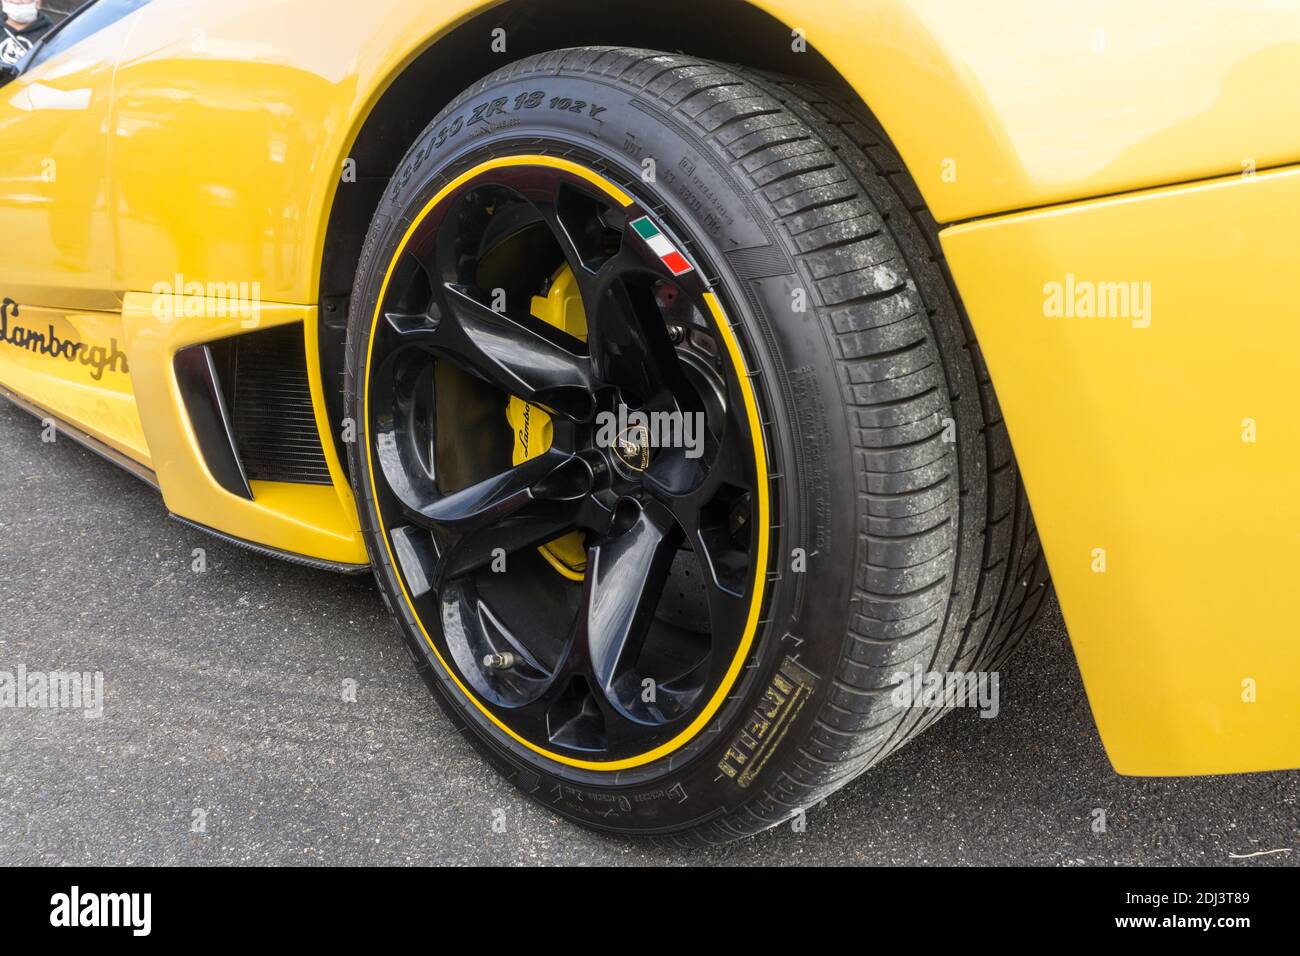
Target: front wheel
{"points": [[674, 451]]}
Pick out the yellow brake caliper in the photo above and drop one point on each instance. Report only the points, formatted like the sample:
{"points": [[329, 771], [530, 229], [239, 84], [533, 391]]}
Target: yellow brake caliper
{"points": [[562, 308]]}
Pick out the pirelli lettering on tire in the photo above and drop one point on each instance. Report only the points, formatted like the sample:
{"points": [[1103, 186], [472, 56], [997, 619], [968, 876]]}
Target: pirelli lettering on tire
{"points": [[766, 727]]}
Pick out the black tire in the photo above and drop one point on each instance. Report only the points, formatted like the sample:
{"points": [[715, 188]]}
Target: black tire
{"points": [[920, 548]]}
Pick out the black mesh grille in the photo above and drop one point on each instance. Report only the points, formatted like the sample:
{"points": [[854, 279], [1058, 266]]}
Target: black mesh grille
{"points": [[265, 378]]}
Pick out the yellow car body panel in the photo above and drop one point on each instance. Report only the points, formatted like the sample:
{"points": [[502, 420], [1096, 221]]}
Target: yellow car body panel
{"points": [[994, 106], [314, 520], [97, 397], [207, 140], [1160, 445], [54, 201], [1003, 104]]}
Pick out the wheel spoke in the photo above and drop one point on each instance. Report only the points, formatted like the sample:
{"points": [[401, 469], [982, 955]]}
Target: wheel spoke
{"points": [[712, 515], [627, 338], [401, 426], [519, 354], [723, 461], [479, 633], [629, 342], [625, 578], [528, 505]]}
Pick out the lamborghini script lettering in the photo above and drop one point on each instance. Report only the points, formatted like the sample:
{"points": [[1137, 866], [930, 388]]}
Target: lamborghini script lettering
{"points": [[96, 357]]}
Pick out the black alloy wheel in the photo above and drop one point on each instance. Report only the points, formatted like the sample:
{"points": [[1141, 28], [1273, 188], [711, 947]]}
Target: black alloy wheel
{"points": [[613, 665]]}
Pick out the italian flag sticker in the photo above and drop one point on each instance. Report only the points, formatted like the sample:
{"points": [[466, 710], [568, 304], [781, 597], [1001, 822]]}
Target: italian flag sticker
{"points": [[660, 246]]}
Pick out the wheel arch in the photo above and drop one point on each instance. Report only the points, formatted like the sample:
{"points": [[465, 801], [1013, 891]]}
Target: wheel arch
{"points": [[422, 83]]}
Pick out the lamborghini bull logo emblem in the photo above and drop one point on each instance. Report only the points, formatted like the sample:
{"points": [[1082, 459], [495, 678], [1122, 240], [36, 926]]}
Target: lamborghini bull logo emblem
{"points": [[633, 447]]}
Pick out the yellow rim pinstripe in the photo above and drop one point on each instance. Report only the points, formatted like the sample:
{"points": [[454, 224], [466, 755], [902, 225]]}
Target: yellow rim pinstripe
{"points": [[760, 461]]}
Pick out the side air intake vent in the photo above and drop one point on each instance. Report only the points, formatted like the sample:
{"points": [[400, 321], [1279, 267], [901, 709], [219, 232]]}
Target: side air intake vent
{"points": [[264, 378]]}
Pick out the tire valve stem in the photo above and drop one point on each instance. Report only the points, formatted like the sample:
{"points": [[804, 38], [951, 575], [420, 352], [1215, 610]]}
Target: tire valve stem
{"points": [[676, 334], [502, 661]]}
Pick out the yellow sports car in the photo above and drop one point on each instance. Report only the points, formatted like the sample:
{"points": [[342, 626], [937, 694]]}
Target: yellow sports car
{"points": [[685, 372]]}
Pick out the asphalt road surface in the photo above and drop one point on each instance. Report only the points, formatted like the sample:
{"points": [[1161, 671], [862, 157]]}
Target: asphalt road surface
{"points": [[223, 706]]}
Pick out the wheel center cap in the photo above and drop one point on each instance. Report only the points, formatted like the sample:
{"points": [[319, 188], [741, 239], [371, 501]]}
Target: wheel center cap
{"points": [[632, 449]]}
